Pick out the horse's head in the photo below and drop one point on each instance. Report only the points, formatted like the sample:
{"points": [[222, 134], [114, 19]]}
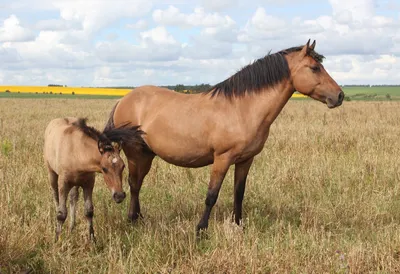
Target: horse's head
{"points": [[112, 167], [310, 78]]}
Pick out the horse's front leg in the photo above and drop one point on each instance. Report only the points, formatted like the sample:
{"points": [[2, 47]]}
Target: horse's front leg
{"points": [[89, 210], [73, 200], [241, 171], [218, 172], [138, 170], [63, 189]]}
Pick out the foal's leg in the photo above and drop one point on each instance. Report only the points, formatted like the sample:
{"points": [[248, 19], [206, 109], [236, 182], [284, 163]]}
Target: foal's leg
{"points": [[73, 199], [138, 169], [218, 172], [89, 212], [63, 189], [241, 171], [53, 178]]}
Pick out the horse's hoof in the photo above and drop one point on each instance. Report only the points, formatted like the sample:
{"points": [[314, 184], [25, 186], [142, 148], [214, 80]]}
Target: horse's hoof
{"points": [[201, 232], [135, 217]]}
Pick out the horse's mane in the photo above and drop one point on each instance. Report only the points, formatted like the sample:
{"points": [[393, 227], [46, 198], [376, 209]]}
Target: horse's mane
{"points": [[123, 134], [262, 73]]}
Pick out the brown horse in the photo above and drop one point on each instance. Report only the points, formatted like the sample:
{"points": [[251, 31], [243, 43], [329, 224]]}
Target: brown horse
{"points": [[73, 153], [227, 125]]}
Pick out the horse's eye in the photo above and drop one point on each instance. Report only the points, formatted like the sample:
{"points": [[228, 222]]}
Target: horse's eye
{"points": [[104, 169], [315, 68]]}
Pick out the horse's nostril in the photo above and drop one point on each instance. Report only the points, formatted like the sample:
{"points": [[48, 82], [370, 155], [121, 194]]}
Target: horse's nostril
{"points": [[119, 196], [341, 96]]}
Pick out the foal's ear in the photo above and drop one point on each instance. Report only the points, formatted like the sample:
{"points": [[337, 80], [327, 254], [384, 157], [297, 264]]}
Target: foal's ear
{"points": [[117, 145], [100, 145]]}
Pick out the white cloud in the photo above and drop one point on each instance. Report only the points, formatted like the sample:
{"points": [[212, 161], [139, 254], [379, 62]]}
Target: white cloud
{"points": [[12, 31], [56, 24], [382, 69], [357, 10], [173, 17], [141, 24], [90, 15], [115, 43], [158, 35], [218, 5], [155, 45], [262, 26]]}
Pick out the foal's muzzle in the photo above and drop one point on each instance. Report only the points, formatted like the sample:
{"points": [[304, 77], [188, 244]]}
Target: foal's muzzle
{"points": [[119, 196]]}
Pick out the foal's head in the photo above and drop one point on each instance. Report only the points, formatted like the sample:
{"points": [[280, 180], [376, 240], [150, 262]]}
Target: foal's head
{"points": [[309, 76], [112, 167]]}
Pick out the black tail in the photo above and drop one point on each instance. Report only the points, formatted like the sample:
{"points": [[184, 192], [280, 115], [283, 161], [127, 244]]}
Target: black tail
{"points": [[110, 123]]}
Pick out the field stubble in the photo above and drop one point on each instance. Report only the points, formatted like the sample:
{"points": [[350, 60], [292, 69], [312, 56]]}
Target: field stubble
{"points": [[323, 196]]}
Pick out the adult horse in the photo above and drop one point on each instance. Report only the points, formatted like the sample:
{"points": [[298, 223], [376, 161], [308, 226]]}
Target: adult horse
{"points": [[226, 125]]}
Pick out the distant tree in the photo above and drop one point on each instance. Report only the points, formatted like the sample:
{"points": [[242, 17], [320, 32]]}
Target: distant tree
{"points": [[179, 88]]}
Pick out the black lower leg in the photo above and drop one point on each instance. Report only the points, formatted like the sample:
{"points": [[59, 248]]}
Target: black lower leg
{"points": [[211, 199], [238, 200]]}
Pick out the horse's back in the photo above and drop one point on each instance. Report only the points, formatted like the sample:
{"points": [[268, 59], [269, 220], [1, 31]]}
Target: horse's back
{"points": [[143, 102]]}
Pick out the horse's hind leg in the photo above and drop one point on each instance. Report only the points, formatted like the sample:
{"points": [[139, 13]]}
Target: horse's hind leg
{"points": [[241, 171], [89, 210], [138, 170], [73, 200], [63, 189]]}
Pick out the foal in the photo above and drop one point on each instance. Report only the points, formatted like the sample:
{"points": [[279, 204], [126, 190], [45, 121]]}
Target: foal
{"points": [[73, 153]]}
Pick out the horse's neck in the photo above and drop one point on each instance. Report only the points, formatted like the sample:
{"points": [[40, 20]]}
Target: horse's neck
{"points": [[92, 156], [266, 105]]}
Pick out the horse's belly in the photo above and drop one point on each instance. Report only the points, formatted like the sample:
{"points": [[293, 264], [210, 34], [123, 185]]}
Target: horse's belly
{"points": [[183, 156]]}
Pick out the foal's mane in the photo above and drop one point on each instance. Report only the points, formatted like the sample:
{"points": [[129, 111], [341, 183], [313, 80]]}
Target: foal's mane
{"points": [[262, 73], [90, 132], [125, 134]]}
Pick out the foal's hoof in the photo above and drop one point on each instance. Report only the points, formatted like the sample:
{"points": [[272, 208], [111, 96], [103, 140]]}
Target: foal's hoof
{"points": [[61, 216], [92, 238]]}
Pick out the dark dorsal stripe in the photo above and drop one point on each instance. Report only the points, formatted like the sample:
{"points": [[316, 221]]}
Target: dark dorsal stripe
{"points": [[262, 73]]}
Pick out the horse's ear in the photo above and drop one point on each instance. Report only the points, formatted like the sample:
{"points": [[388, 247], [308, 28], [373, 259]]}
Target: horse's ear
{"points": [[100, 145], [313, 45], [306, 48]]}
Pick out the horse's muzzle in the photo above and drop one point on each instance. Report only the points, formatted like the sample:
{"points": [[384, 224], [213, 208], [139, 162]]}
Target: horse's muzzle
{"points": [[335, 102], [119, 197]]}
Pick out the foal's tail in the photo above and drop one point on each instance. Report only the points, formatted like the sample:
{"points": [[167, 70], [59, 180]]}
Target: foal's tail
{"points": [[110, 123]]}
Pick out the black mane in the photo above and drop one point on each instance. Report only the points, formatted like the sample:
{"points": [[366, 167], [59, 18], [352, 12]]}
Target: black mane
{"points": [[262, 73], [124, 134]]}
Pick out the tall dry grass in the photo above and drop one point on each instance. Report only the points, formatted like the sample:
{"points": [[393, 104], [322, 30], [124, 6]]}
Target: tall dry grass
{"points": [[322, 197]]}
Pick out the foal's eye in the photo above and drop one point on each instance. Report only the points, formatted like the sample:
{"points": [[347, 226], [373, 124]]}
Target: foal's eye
{"points": [[315, 68], [104, 169]]}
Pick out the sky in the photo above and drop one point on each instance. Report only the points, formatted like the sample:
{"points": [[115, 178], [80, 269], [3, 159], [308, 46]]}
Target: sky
{"points": [[140, 42]]}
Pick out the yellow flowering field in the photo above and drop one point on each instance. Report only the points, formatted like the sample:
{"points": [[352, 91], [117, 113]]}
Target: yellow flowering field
{"points": [[66, 90], [78, 90]]}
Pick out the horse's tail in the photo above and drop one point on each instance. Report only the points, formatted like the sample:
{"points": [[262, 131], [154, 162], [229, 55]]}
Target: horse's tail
{"points": [[110, 123]]}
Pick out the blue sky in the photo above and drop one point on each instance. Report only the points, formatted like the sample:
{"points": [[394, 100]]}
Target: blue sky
{"points": [[137, 42]]}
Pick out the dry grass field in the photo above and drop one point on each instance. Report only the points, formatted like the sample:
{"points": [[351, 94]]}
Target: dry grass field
{"points": [[322, 197]]}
